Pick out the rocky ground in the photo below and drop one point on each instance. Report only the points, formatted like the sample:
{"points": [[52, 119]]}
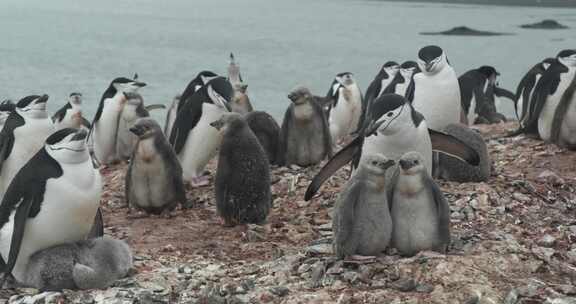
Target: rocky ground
{"points": [[513, 242]]}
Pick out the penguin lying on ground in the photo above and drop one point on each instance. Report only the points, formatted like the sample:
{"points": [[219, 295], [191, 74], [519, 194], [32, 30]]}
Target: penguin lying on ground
{"points": [[52, 200], [86, 264], [70, 115], [453, 169], [154, 177], [305, 136], [361, 223], [393, 129], [420, 213], [242, 186]]}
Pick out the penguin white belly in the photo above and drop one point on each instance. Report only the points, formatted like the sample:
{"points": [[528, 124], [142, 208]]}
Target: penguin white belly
{"points": [[170, 119], [149, 176], [519, 112], [356, 109], [202, 143], [568, 128], [437, 97], [384, 84], [66, 213], [28, 140], [405, 140], [72, 119], [402, 87], [547, 115], [472, 115], [105, 131]]}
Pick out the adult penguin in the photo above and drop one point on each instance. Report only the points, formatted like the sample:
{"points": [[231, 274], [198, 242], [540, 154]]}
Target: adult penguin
{"points": [[436, 91], [548, 93], [70, 115], [526, 87], [394, 128], [194, 85], [403, 83], [52, 200], [23, 135], [6, 107], [376, 88], [345, 108], [104, 130], [194, 140]]}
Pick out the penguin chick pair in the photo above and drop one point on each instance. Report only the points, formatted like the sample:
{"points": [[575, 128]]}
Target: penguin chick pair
{"points": [[411, 214], [242, 184], [86, 264]]}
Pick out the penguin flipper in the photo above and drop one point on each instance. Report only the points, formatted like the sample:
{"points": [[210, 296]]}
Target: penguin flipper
{"points": [[501, 92], [98, 226], [452, 146], [345, 240], [20, 218], [442, 209], [287, 124], [339, 160], [6, 143], [86, 123], [157, 106], [186, 119]]}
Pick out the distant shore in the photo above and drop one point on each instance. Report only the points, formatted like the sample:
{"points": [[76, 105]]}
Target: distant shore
{"points": [[535, 3]]}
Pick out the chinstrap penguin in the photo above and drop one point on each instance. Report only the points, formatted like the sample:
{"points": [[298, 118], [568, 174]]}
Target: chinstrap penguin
{"points": [[346, 107], [154, 177], [86, 264], [52, 200], [242, 185], [70, 115], [420, 213], [6, 107], [361, 223], [305, 136]]}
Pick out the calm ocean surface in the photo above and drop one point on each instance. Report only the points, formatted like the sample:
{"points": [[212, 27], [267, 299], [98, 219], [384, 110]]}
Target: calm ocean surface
{"points": [[60, 46]]}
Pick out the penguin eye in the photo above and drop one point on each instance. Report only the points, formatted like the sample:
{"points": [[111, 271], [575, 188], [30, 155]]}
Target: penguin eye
{"points": [[416, 162], [390, 114], [374, 163]]}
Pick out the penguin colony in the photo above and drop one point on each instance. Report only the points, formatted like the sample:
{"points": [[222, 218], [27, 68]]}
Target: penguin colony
{"points": [[410, 127]]}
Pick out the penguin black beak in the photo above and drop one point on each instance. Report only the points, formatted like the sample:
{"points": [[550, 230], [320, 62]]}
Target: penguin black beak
{"points": [[42, 99], [406, 164], [217, 124], [81, 134], [139, 84]]}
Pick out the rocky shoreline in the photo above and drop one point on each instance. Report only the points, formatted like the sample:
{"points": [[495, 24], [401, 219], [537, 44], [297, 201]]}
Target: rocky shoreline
{"points": [[513, 242]]}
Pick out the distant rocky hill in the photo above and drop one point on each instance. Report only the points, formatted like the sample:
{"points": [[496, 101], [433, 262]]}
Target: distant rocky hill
{"points": [[543, 3]]}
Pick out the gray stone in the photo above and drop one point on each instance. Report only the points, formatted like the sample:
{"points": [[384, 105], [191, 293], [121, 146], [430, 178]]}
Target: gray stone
{"points": [[280, 291], [547, 241], [404, 285]]}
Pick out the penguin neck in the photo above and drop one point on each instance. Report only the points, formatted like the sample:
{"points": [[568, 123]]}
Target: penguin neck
{"points": [[374, 181], [303, 112], [410, 184]]}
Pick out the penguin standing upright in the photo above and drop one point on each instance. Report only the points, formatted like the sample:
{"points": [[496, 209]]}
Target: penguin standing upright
{"points": [[346, 106], [436, 91], [403, 83], [548, 93], [377, 87], [6, 107], [194, 140], [234, 75], [22, 136], [52, 200], [133, 110], [104, 130], [394, 128], [478, 91], [194, 85], [70, 115], [526, 88]]}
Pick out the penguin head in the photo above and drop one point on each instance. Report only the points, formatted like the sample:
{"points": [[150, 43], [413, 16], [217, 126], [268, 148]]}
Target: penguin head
{"points": [[389, 114], [75, 99], [431, 59], [391, 68], [68, 146], [300, 95], [490, 72], [345, 79], [145, 127], [240, 87], [546, 63], [230, 121], [377, 163], [409, 68], [220, 92], [6, 107], [205, 76], [126, 85], [567, 58], [411, 163], [33, 106]]}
